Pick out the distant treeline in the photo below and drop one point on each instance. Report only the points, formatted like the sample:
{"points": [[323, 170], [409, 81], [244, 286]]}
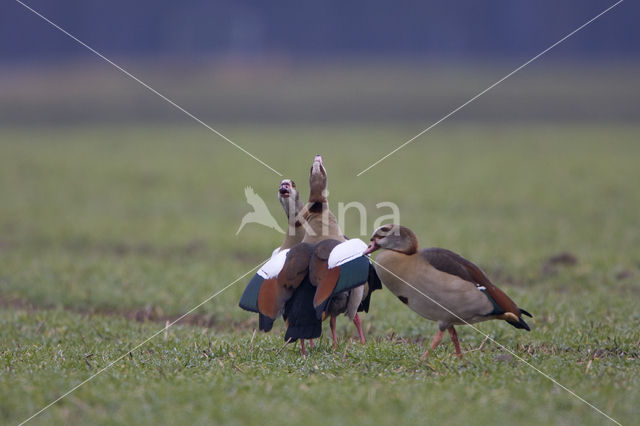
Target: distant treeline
{"points": [[428, 29], [271, 91]]}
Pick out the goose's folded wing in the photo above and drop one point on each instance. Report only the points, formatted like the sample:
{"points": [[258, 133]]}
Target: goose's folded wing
{"points": [[319, 273], [267, 272], [454, 264], [274, 283], [275, 292], [346, 268]]}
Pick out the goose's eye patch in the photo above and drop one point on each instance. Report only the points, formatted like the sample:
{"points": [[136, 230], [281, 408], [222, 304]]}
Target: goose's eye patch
{"points": [[385, 230]]}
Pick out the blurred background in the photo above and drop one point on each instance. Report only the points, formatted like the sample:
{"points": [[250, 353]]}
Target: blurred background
{"points": [[230, 61]]}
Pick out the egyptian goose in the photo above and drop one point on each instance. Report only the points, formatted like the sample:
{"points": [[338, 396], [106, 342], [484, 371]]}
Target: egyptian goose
{"points": [[324, 231], [439, 284], [304, 282], [290, 199], [302, 323]]}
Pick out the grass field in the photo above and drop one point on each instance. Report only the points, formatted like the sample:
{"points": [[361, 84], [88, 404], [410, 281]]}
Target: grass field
{"points": [[107, 232]]}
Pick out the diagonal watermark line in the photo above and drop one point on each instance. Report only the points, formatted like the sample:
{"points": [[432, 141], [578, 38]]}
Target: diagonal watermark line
{"points": [[491, 87], [145, 85], [503, 347], [70, 391]]}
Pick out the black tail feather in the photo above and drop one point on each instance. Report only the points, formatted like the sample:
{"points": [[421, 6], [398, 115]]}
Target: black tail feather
{"points": [[374, 284], [307, 331], [265, 323], [520, 324], [374, 280], [525, 313], [302, 322], [364, 304]]}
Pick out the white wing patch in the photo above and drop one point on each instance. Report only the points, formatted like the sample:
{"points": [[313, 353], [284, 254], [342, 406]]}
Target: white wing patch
{"points": [[481, 287], [344, 252], [273, 265], [274, 252]]}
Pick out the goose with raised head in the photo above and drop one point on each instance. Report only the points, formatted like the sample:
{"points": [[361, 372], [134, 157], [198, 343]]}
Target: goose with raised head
{"points": [[439, 284], [290, 200], [302, 323], [324, 231]]}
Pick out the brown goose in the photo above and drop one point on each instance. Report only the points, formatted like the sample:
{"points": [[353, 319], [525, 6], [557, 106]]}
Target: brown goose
{"points": [[324, 231], [439, 284], [290, 199]]}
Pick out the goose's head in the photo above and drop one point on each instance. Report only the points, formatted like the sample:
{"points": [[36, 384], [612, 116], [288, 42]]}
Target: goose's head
{"points": [[393, 237], [289, 197], [317, 181], [287, 189]]}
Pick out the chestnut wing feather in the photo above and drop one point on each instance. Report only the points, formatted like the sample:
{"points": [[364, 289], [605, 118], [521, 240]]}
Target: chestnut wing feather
{"points": [[275, 292], [454, 264], [352, 272], [319, 274]]}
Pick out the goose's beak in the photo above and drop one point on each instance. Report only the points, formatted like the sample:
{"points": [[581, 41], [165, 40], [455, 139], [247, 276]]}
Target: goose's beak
{"points": [[373, 246], [285, 190], [317, 166]]}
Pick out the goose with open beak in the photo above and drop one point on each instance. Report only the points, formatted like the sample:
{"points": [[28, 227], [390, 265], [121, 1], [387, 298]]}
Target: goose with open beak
{"points": [[290, 200]]}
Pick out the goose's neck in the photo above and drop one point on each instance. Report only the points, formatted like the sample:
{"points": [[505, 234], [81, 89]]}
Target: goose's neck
{"points": [[322, 223], [295, 230], [295, 234]]}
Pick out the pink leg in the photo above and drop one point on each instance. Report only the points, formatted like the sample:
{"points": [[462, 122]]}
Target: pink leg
{"points": [[304, 352], [356, 321], [434, 343], [311, 343], [454, 339], [332, 324]]}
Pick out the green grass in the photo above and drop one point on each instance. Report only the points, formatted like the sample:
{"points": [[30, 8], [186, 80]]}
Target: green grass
{"points": [[100, 225]]}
